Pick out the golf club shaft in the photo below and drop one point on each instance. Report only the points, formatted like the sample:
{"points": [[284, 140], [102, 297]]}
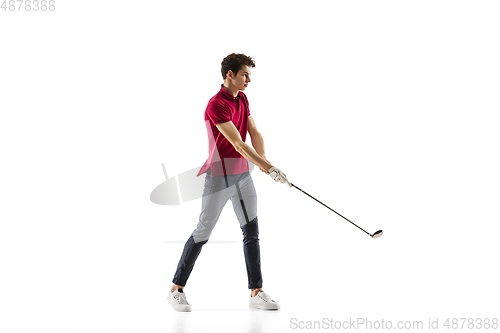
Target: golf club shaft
{"points": [[331, 209]]}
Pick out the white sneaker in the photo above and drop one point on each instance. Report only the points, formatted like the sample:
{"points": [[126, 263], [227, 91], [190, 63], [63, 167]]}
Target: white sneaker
{"points": [[178, 300], [263, 301]]}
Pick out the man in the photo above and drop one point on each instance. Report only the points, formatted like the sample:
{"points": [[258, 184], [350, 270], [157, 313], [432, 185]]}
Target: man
{"points": [[227, 118]]}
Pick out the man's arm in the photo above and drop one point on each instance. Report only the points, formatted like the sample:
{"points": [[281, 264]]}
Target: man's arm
{"points": [[233, 136], [257, 139]]}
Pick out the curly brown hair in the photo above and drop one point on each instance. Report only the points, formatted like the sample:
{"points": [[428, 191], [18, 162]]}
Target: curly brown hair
{"points": [[234, 62]]}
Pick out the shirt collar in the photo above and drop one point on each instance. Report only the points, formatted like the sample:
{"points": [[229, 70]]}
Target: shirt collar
{"points": [[227, 94]]}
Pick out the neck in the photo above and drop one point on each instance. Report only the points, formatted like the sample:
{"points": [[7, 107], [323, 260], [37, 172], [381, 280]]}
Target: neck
{"points": [[231, 88]]}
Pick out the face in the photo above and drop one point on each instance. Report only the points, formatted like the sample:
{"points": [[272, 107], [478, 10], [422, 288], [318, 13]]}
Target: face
{"points": [[242, 79]]}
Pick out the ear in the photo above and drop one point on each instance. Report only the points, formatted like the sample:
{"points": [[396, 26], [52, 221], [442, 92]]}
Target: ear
{"points": [[230, 75]]}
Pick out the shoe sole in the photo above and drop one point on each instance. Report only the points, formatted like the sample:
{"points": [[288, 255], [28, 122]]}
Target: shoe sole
{"points": [[274, 307]]}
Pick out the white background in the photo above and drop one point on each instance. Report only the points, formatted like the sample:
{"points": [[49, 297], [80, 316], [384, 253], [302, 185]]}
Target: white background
{"points": [[387, 111]]}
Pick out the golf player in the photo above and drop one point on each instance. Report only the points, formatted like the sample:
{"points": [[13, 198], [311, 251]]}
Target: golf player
{"points": [[227, 176]]}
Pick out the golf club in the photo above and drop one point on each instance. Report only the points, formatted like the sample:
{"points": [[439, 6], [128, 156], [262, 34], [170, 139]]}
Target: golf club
{"points": [[377, 234]]}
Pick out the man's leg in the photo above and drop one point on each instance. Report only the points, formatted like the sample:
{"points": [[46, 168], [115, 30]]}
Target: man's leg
{"points": [[186, 263], [215, 196], [245, 206], [251, 250]]}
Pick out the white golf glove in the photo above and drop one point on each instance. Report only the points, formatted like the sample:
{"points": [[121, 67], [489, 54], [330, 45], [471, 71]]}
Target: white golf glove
{"points": [[278, 176]]}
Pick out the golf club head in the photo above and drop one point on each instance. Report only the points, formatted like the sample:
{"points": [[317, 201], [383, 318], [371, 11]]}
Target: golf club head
{"points": [[377, 234]]}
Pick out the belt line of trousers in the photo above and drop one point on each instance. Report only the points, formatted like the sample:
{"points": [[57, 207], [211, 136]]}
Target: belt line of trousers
{"points": [[217, 191]]}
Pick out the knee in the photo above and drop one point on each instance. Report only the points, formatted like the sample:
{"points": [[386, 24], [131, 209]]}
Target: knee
{"points": [[250, 232], [198, 240]]}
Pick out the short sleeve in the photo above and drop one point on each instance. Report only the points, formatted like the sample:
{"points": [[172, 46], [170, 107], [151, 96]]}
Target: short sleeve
{"points": [[218, 112]]}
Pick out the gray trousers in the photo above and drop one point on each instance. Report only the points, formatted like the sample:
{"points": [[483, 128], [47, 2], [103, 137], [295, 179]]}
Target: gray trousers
{"points": [[216, 193]]}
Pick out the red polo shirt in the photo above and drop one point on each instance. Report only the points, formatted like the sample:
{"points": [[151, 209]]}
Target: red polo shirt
{"points": [[223, 159]]}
